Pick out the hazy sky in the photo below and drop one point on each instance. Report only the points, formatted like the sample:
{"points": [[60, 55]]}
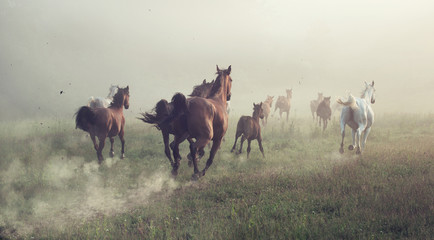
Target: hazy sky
{"points": [[162, 47]]}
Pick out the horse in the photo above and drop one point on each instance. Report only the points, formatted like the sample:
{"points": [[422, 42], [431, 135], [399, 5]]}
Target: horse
{"points": [[163, 109], [95, 102], [284, 103], [324, 112], [358, 114], [206, 119], [314, 105], [266, 107], [105, 122], [249, 128]]}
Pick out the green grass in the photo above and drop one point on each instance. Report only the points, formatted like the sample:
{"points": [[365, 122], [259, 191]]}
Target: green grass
{"points": [[52, 188]]}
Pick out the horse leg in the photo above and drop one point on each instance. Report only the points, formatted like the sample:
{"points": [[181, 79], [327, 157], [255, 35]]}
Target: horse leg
{"points": [[112, 153], [243, 138], [260, 146], [358, 136], [365, 137], [287, 115], [199, 144], [341, 149], [121, 137], [248, 147], [100, 148], [353, 135], [214, 148], [237, 135], [95, 145], [175, 148], [166, 146]]}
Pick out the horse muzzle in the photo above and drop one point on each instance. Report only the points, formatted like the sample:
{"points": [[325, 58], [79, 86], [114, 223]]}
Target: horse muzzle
{"points": [[373, 101], [228, 97]]}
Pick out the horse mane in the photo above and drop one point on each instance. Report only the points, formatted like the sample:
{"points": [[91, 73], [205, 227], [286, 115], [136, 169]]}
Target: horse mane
{"points": [[217, 84], [118, 98]]}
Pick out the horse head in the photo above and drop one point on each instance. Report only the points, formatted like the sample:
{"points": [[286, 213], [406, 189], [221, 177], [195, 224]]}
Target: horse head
{"points": [[122, 98], [226, 80], [370, 92], [289, 93], [258, 111]]}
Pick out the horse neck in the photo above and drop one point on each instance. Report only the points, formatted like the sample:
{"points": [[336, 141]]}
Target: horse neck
{"points": [[221, 95], [255, 116], [367, 95]]}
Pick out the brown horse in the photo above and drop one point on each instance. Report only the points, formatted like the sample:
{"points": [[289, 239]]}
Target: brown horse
{"points": [[284, 103], [250, 129], [206, 119], [314, 105], [266, 107], [324, 112], [105, 122], [163, 109]]}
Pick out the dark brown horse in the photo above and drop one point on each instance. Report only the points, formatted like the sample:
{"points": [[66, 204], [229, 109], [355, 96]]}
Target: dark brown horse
{"points": [[266, 107], [314, 105], [162, 111], [206, 119], [248, 127], [105, 122], [284, 103], [324, 112]]}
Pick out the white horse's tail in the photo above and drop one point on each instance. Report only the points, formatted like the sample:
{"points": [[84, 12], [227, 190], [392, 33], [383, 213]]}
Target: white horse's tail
{"points": [[351, 102]]}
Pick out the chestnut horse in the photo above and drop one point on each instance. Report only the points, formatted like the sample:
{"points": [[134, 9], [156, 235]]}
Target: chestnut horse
{"points": [[163, 109], [250, 129], [206, 119], [284, 103], [105, 122], [266, 107], [324, 112]]}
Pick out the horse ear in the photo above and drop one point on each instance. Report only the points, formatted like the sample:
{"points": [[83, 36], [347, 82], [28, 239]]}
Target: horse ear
{"points": [[229, 69], [366, 84], [127, 88], [218, 69], [204, 81], [372, 83]]}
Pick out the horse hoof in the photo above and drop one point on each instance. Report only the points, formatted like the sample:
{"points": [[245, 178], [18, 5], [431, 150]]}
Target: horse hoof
{"points": [[122, 156], [351, 147], [341, 150], [112, 154], [189, 157], [195, 177], [174, 172], [190, 163], [358, 152]]}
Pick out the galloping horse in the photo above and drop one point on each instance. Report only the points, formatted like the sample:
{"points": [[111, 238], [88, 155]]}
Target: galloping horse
{"points": [[324, 112], [266, 107], [358, 114], [95, 102], [284, 103], [206, 119], [105, 122], [314, 105], [163, 109], [250, 129]]}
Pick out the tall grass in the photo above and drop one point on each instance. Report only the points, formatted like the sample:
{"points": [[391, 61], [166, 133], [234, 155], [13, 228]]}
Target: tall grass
{"points": [[51, 186]]}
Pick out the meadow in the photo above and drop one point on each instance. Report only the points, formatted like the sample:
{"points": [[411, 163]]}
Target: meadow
{"points": [[51, 186]]}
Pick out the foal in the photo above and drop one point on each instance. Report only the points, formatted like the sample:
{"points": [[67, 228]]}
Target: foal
{"points": [[266, 106], [250, 129], [324, 112]]}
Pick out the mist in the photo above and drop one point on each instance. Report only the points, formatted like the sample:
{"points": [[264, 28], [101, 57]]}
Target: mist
{"points": [[158, 48]]}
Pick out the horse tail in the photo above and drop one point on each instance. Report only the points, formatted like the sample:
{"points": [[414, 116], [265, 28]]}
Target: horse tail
{"points": [[351, 102], [160, 112], [85, 118]]}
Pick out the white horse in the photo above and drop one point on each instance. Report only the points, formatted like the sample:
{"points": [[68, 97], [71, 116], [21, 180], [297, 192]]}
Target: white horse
{"points": [[100, 102], [358, 114]]}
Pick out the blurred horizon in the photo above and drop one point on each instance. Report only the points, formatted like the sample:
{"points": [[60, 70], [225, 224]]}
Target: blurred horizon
{"points": [[159, 48]]}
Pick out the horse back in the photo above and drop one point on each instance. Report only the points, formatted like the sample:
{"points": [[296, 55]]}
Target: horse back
{"points": [[248, 127], [108, 122]]}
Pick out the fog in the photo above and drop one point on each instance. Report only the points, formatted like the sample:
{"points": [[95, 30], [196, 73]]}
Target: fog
{"points": [[162, 47]]}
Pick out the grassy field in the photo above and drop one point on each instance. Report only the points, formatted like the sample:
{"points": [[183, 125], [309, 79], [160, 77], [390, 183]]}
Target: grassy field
{"points": [[51, 186]]}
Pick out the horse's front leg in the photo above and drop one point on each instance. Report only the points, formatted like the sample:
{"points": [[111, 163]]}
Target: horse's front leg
{"points": [[353, 135], [175, 148], [112, 153], [121, 137], [341, 149], [248, 148], [235, 143], [260, 146], [95, 145], [365, 137]]}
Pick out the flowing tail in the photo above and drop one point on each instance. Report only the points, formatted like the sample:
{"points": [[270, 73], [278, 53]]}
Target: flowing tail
{"points": [[351, 102], [85, 118], [161, 111]]}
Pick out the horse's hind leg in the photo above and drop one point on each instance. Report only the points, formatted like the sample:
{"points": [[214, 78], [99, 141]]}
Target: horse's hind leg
{"points": [[214, 148], [237, 135], [353, 135], [95, 145], [248, 148], [200, 144], [100, 148], [243, 138], [365, 137], [112, 153], [260, 146], [341, 149], [166, 146]]}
